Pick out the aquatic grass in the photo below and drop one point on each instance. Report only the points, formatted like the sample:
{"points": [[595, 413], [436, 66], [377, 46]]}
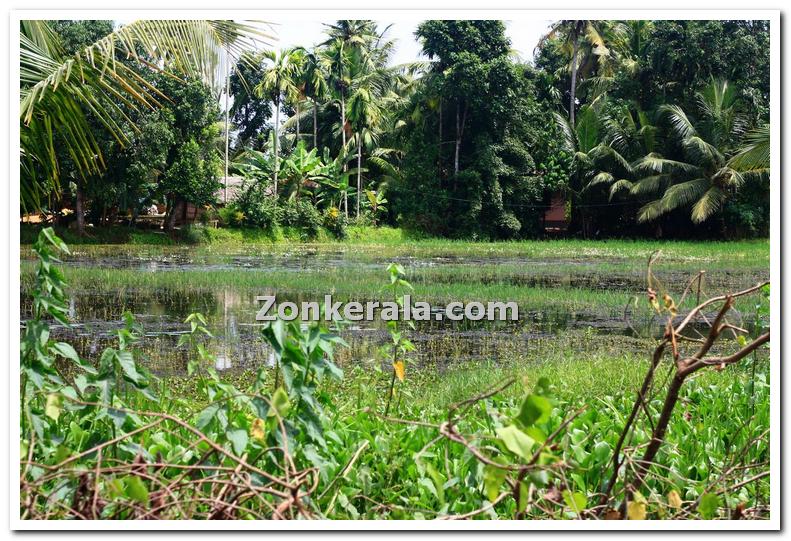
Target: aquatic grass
{"points": [[384, 243], [341, 284]]}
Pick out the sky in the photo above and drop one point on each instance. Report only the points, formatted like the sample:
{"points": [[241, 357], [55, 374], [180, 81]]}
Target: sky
{"points": [[524, 35]]}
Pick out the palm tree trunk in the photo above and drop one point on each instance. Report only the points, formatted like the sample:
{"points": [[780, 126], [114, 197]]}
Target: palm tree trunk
{"points": [[315, 125], [439, 144], [79, 210], [297, 140], [458, 143], [277, 120], [573, 96], [359, 171], [460, 121], [343, 138], [343, 121], [227, 136]]}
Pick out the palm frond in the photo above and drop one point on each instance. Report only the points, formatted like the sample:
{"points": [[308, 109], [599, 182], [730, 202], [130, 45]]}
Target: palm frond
{"points": [[620, 185], [755, 154], [679, 122], [708, 204], [650, 211], [684, 193], [702, 151], [59, 93], [655, 163], [650, 185], [569, 137], [600, 178]]}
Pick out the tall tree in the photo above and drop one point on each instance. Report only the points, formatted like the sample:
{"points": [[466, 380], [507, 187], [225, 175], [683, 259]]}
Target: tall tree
{"points": [[250, 113], [277, 82], [575, 34], [60, 92]]}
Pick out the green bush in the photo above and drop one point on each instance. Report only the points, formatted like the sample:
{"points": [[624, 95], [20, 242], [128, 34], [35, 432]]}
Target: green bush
{"points": [[258, 207], [230, 215], [302, 215], [335, 222]]}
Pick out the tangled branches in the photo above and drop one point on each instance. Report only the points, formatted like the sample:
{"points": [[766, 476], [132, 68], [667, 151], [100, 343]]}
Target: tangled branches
{"points": [[198, 478]]}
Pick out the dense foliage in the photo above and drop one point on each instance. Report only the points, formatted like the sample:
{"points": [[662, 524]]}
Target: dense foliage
{"points": [[106, 439], [626, 128]]}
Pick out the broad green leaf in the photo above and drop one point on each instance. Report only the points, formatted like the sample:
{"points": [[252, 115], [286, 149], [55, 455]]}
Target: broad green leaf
{"points": [[575, 501], [53, 406], [709, 505], [516, 441], [136, 489], [280, 403], [118, 416], [601, 451], [493, 479], [238, 438], [535, 409], [67, 350], [129, 368], [206, 416]]}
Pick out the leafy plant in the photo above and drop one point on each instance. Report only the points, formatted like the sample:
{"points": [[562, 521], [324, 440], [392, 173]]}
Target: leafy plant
{"points": [[399, 347]]}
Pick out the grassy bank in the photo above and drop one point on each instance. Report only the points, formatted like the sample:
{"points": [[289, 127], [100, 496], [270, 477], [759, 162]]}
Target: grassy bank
{"points": [[386, 242]]}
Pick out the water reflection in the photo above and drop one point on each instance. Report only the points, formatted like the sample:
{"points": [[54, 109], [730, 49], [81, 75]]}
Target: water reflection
{"points": [[238, 344]]}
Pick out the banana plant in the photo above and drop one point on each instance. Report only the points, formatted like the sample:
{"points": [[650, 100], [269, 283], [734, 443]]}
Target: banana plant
{"points": [[377, 202], [302, 169]]}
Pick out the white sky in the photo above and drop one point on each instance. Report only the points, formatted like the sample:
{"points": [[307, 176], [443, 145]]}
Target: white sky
{"points": [[524, 35]]}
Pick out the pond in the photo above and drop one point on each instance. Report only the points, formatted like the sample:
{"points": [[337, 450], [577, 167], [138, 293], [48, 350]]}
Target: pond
{"points": [[161, 286]]}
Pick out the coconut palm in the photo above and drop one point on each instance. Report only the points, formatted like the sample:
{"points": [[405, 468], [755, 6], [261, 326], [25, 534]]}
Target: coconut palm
{"points": [[350, 52], [59, 93], [312, 81], [370, 100], [583, 41], [278, 82], [347, 52], [704, 177]]}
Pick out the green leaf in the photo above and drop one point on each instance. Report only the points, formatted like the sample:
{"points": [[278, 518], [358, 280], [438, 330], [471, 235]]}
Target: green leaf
{"points": [[280, 403], [49, 234], [535, 409], [53, 406], [601, 451], [66, 350], [118, 416], [516, 441], [206, 416], [493, 479], [129, 367], [576, 501], [136, 489], [238, 438], [709, 505]]}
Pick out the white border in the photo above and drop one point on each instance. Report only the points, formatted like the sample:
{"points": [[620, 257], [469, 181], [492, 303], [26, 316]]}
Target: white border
{"points": [[11, 242]]}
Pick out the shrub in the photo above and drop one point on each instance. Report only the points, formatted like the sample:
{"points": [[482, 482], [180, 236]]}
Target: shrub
{"points": [[302, 215], [258, 207], [335, 222], [194, 233]]}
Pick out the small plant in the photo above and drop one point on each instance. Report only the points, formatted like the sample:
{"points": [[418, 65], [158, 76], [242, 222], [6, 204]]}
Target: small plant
{"points": [[399, 347], [377, 203], [335, 222]]}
